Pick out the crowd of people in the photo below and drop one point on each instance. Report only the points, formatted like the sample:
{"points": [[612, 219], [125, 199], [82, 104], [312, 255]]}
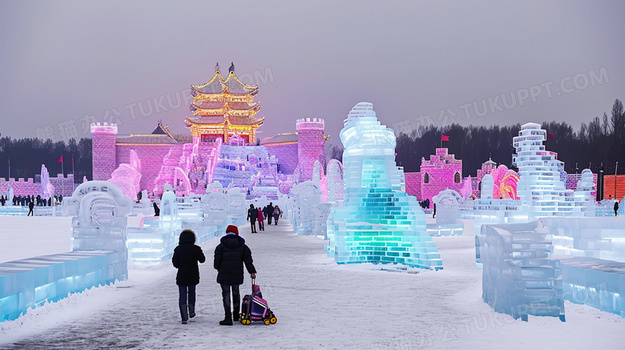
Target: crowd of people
{"points": [[35, 200], [259, 214]]}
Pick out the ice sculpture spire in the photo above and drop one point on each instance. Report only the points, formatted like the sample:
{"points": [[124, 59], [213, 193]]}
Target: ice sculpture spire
{"points": [[378, 222], [540, 185]]}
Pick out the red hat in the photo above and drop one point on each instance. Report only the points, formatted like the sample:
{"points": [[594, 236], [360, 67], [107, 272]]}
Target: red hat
{"points": [[233, 229]]}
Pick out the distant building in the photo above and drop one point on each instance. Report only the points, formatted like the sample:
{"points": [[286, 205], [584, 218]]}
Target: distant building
{"points": [[222, 145]]}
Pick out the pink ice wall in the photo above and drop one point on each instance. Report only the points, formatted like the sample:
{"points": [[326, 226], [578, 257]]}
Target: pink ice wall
{"points": [[443, 171], [287, 156], [103, 149], [151, 157], [413, 184]]}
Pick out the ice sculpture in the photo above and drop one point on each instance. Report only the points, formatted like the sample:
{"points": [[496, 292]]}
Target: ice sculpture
{"points": [[584, 195], [215, 207], [447, 207], [98, 255], [237, 207], [519, 278], [466, 191], [335, 181], [10, 196], [505, 183], [447, 215], [378, 222], [306, 197], [169, 209], [540, 184], [47, 190], [127, 176]]}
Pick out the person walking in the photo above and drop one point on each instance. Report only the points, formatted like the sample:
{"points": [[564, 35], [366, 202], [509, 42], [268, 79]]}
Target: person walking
{"points": [[157, 210], [269, 212], [230, 255], [261, 219], [252, 215], [31, 206], [185, 259], [616, 207], [276, 214]]}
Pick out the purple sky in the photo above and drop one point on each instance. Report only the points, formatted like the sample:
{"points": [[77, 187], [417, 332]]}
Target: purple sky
{"points": [[64, 64]]}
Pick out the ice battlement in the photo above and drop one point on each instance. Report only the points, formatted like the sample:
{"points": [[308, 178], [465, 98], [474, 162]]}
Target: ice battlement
{"points": [[104, 128], [310, 123]]}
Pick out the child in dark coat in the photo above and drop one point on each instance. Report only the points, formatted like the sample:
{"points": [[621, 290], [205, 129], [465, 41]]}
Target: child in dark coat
{"points": [[185, 259], [230, 255]]}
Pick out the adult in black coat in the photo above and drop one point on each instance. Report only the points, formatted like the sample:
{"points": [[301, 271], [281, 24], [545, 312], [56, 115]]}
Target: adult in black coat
{"points": [[230, 255], [252, 216], [185, 259], [269, 212]]}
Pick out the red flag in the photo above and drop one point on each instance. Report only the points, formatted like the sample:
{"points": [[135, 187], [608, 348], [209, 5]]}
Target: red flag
{"points": [[72, 160], [444, 138], [60, 159]]}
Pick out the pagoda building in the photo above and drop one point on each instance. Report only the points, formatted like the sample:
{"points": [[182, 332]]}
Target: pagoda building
{"points": [[223, 108]]}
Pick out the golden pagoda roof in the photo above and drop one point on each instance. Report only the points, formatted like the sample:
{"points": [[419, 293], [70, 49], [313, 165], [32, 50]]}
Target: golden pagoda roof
{"points": [[217, 85]]}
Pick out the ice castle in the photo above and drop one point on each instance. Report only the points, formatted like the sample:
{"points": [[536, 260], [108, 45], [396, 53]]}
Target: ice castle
{"points": [[378, 222]]}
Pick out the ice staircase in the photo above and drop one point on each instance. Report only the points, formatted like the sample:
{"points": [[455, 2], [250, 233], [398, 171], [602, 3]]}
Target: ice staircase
{"points": [[519, 278]]}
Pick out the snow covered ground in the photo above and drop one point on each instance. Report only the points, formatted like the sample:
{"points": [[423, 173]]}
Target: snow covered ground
{"points": [[318, 304]]}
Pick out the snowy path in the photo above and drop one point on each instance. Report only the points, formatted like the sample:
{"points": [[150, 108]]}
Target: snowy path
{"points": [[318, 304]]}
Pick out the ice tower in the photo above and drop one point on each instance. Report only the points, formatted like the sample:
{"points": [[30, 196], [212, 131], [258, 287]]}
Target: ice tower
{"points": [[310, 146], [378, 222], [540, 185], [104, 155]]}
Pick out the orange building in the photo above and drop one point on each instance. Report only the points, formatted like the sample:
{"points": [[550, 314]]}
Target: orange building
{"points": [[223, 108], [609, 186]]}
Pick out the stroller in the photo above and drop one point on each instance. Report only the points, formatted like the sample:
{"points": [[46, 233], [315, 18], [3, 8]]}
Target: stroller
{"points": [[255, 308]]}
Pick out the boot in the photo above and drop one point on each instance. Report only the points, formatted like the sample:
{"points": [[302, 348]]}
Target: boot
{"points": [[183, 314], [191, 310], [227, 320]]}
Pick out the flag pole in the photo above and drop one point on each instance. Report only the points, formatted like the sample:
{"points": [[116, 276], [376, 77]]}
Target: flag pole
{"points": [[62, 175]]}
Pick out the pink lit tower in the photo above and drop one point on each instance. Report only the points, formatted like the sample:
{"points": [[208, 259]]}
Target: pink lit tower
{"points": [[310, 148], [104, 161]]}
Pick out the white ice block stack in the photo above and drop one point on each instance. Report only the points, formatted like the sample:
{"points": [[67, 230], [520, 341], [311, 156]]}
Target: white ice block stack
{"points": [[519, 278], [598, 238], [540, 185], [378, 222]]}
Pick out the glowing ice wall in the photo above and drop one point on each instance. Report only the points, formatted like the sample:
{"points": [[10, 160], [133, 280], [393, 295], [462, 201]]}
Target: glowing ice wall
{"points": [[378, 222], [103, 150], [310, 146], [98, 256]]}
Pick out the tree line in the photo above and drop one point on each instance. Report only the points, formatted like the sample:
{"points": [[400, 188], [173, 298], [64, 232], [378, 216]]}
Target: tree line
{"points": [[23, 157], [598, 145]]}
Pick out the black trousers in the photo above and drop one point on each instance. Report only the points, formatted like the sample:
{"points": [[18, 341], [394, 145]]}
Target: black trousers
{"points": [[236, 298]]}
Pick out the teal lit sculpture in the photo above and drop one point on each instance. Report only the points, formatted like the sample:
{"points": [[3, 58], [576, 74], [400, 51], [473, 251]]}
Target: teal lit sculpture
{"points": [[378, 222]]}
